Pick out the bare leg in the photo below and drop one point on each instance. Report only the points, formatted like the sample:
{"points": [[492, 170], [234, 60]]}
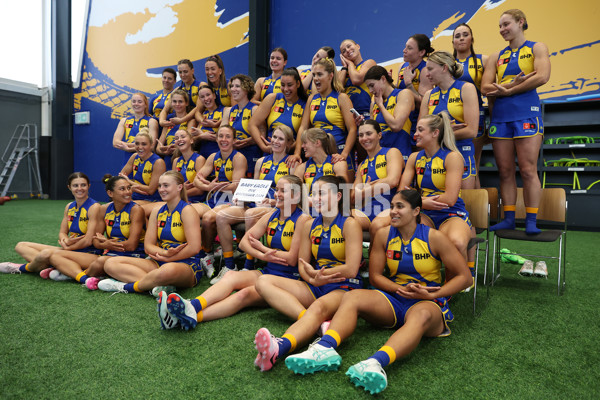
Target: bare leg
{"points": [[128, 269], [459, 233], [71, 263], [287, 296], [36, 254], [226, 217], [169, 274], [527, 155], [504, 151]]}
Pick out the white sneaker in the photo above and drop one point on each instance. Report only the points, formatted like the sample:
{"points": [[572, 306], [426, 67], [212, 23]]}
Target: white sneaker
{"points": [[527, 268], [208, 265], [167, 320], [167, 289], [111, 285], [541, 271], [368, 374], [10, 268], [218, 253], [222, 273], [56, 275], [316, 358]]}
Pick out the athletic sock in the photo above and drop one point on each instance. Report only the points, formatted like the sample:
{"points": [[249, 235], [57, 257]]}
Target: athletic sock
{"points": [[24, 268], [132, 287], [81, 277], [471, 265], [228, 257], [385, 355], [330, 339], [249, 263], [509, 219], [530, 221], [199, 303], [301, 314], [286, 344]]}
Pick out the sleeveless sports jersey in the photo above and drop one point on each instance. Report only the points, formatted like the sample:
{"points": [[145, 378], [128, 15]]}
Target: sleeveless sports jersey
{"points": [[207, 147], [279, 237], [169, 226], [314, 171], [132, 127], [119, 223], [171, 132], [192, 91], [77, 218], [359, 95], [452, 102], [522, 105], [284, 113], [376, 168], [328, 244], [223, 97], [239, 120], [400, 139], [142, 173], [223, 171], [271, 171], [325, 114], [473, 74], [188, 169], [414, 115], [270, 85], [411, 260], [157, 103]]}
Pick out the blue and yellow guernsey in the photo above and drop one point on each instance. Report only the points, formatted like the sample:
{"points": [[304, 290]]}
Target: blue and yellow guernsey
{"points": [[271, 171], [223, 171], [359, 95], [208, 147], [522, 105], [157, 103], [77, 217], [189, 169], [239, 119], [325, 114], [411, 260], [170, 232], [191, 90], [132, 127], [270, 85], [328, 245], [284, 113], [279, 237], [118, 224], [313, 171], [142, 173], [414, 115], [473, 73], [399, 139], [223, 97], [372, 169]]}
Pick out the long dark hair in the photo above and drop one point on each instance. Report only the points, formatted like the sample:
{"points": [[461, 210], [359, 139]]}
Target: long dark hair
{"points": [[473, 56]]}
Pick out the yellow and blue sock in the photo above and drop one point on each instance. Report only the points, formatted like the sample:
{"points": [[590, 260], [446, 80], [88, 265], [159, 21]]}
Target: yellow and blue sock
{"points": [[471, 265], [530, 221], [249, 263], [509, 219], [82, 277], [132, 287], [287, 343], [24, 268], [385, 355], [199, 304], [228, 257], [331, 339]]}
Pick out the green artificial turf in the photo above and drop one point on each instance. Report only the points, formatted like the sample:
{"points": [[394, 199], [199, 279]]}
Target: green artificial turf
{"points": [[59, 340]]}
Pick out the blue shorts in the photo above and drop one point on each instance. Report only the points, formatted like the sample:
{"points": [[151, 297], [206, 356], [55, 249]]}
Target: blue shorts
{"points": [[192, 262], [90, 250], [346, 286], [438, 217], [516, 129], [467, 150], [350, 159], [481, 128], [284, 272], [400, 306], [136, 254]]}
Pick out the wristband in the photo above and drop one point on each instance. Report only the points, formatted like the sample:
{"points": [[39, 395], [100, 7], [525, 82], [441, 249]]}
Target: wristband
{"points": [[344, 69]]}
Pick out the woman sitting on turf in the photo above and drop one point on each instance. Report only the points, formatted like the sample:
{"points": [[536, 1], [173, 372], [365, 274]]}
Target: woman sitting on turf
{"points": [[236, 290], [124, 223], [172, 241], [77, 230], [334, 240], [412, 299]]}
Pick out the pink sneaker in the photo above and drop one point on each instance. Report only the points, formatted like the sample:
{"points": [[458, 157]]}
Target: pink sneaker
{"points": [[92, 283], [268, 349], [324, 328], [45, 273]]}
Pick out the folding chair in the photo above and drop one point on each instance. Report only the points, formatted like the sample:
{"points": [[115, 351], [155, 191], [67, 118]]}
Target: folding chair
{"points": [[553, 207], [478, 206]]}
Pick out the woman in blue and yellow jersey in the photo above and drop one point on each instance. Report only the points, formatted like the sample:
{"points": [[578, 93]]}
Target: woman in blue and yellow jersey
{"points": [[143, 170], [459, 100], [238, 116], [122, 220], [333, 240], [377, 176], [329, 109], [277, 109], [189, 84], [272, 83], [188, 163], [411, 300], [391, 108], [166, 143], [319, 147], [160, 98], [511, 78], [307, 76], [352, 74], [172, 242], [473, 67], [130, 125], [216, 80], [436, 172], [236, 290], [77, 230], [218, 178], [271, 167], [205, 134]]}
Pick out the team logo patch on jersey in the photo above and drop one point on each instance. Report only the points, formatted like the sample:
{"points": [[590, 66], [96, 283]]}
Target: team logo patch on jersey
{"points": [[420, 170], [315, 107], [272, 231], [315, 240], [279, 109], [265, 170], [433, 102], [110, 223], [162, 224], [394, 255], [71, 218], [493, 129], [503, 61], [529, 126]]}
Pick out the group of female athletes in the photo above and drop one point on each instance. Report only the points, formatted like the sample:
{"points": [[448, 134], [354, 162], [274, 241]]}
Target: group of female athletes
{"points": [[419, 141]]}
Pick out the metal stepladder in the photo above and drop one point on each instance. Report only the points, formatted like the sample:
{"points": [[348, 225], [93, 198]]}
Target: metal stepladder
{"points": [[23, 144]]}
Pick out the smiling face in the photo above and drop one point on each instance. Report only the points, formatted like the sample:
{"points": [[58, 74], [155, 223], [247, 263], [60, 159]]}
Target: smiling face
{"points": [[289, 87], [79, 187], [424, 135], [182, 140], [401, 212], [509, 27], [462, 39], [350, 50], [310, 148], [168, 188], [121, 192], [208, 98], [277, 62], [284, 194], [237, 91], [168, 81], [411, 52], [213, 72], [322, 79], [179, 103], [225, 139], [143, 147], [368, 137], [138, 105], [325, 198], [279, 142], [319, 55]]}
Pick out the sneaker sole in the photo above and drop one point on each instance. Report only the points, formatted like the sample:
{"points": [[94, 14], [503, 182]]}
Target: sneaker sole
{"points": [[168, 322], [262, 343], [370, 381], [304, 366], [176, 306]]}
